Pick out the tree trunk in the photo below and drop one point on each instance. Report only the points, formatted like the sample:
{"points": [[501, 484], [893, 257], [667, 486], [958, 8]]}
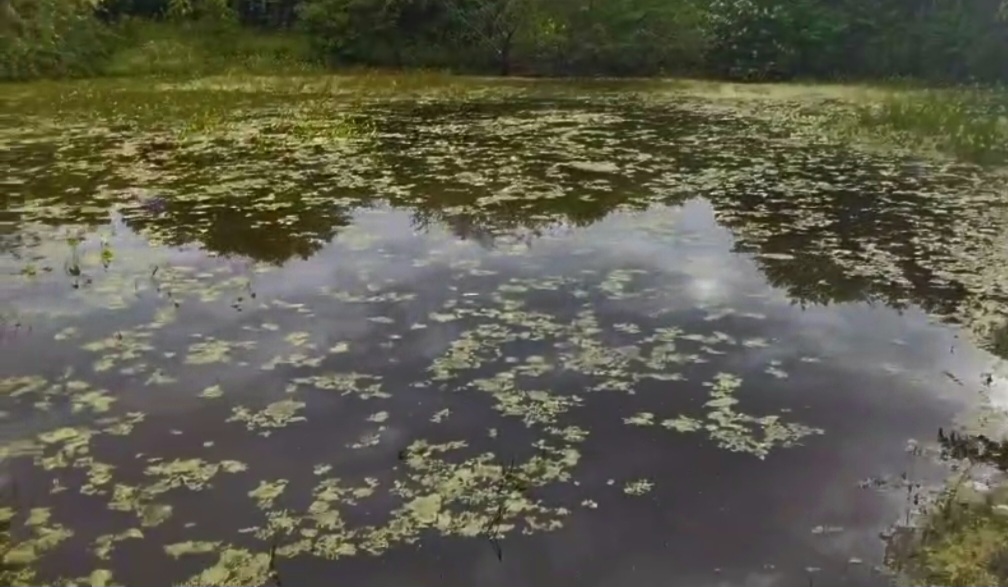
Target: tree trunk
{"points": [[505, 55]]}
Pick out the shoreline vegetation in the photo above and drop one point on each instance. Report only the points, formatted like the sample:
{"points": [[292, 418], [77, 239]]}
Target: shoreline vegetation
{"points": [[944, 43], [924, 80], [957, 534]]}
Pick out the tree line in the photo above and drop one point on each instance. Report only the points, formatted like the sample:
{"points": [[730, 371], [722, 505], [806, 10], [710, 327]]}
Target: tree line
{"points": [[949, 40], [934, 40]]}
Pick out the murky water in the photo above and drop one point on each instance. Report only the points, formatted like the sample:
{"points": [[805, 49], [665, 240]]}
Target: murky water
{"points": [[483, 334]]}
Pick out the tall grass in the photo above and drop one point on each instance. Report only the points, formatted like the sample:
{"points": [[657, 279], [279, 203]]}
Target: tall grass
{"points": [[970, 124], [195, 48], [966, 544], [962, 539], [62, 38]]}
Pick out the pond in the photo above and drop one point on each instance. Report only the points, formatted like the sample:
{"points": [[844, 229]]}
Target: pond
{"points": [[264, 331]]}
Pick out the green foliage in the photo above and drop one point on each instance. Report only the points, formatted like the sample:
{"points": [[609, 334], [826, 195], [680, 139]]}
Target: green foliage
{"points": [[962, 544], [962, 124], [357, 31], [625, 36], [199, 10], [475, 35], [940, 40], [565, 37], [56, 38], [937, 41], [50, 38], [201, 48], [969, 124], [767, 39], [492, 28], [742, 39], [266, 13], [271, 14], [963, 537]]}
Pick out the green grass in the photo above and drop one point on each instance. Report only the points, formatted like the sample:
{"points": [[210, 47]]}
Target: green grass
{"points": [[972, 550], [963, 542], [151, 48], [962, 537], [968, 124]]}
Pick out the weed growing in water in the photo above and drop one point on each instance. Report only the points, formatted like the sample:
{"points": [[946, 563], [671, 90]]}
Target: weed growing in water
{"points": [[971, 125], [963, 537], [959, 534]]}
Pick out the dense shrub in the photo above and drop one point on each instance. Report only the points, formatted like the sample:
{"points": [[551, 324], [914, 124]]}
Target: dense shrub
{"points": [[948, 40], [556, 37], [50, 38]]}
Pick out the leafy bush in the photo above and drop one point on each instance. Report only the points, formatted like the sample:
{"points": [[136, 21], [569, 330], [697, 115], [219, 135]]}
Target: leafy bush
{"points": [[626, 37], [51, 38], [561, 36], [767, 39], [203, 47]]}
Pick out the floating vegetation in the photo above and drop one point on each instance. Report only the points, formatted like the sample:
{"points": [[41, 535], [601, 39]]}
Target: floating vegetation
{"points": [[638, 487], [276, 415], [342, 323], [730, 429], [234, 566], [214, 351]]}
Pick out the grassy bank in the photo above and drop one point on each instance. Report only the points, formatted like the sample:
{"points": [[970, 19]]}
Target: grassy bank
{"points": [[959, 536], [962, 540], [195, 49], [138, 47]]}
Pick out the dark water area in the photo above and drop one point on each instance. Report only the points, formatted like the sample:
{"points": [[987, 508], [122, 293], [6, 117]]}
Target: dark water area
{"points": [[481, 336]]}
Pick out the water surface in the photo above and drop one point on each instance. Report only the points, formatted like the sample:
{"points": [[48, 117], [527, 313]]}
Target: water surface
{"points": [[475, 334]]}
